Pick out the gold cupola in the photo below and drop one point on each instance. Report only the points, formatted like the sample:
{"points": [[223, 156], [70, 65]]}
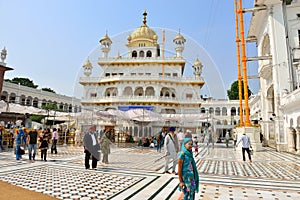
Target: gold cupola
{"points": [[197, 68], [87, 68], [179, 41], [105, 43], [142, 36]]}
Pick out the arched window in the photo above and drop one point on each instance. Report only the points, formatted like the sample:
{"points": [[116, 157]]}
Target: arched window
{"points": [[149, 54], [150, 91], [12, 98], [202, 110], [224, 111], [35, 102], [142, 53], [233, 111], [218, 111], [128, 91], [134, 54], [111, 92], [139, 91]]}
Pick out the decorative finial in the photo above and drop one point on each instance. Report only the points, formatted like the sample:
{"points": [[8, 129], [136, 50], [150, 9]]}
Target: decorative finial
{"points": [[3, 55], [145, 17]]}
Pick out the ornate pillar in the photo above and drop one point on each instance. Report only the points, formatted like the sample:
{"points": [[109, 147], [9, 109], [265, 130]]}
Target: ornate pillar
{"points": [[298, 140], [291, 139]]}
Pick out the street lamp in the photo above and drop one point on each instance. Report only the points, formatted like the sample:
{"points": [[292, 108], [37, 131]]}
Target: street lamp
{"points": [[65, 141], [143, 124], [207, 111], [54, 118]]}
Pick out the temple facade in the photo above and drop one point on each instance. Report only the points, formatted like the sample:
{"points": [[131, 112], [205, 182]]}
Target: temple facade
{"points": [[145, 78]]}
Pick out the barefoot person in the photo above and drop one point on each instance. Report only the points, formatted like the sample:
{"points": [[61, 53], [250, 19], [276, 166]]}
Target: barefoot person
{"points": [[246, 144], [187, 171], [91, 148], [171, 149]]}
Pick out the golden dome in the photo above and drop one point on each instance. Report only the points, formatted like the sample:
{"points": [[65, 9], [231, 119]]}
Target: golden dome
{"points": [[143, 35], [105, 37], [179, 36], [87, 64], [197, 62]]}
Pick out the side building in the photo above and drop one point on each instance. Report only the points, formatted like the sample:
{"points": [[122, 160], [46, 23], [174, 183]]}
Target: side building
{"points": [[275, 28], [27, 96]]}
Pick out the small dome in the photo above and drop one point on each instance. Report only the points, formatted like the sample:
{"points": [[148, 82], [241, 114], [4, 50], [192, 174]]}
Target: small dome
{"points": [[197, 62], [87, 64], [104, 38], [179, 37]]}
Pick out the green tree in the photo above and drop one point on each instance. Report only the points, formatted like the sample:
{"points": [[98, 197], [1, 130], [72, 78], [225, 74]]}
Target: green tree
{"points": [[233, 93], [48, 90], [49, 106], [22, 81], [37, 118]]}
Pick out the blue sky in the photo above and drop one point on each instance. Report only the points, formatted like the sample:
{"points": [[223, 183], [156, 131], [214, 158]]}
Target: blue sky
{"points": [[49, 40]]}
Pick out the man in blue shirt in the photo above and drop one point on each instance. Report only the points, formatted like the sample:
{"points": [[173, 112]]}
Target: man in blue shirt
{"points": [[246, 144]]}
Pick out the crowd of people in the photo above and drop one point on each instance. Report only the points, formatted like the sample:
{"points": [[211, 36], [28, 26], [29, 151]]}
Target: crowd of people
{"points": [[21, 139], [179, 146]]}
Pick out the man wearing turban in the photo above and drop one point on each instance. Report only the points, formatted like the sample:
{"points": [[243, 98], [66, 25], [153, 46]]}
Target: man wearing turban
{"points": [[91, 148]]}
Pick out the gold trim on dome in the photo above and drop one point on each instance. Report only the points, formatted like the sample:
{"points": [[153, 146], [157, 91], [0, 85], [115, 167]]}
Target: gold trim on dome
{"points": [[87, 64], [179, 36], [197, 62], [105, 37], [143, 36]]}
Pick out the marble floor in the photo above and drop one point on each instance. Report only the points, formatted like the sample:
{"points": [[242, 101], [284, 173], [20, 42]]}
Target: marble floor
{"points": [[135, 173]]}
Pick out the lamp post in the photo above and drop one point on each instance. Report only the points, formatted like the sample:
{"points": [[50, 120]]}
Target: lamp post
{"points": [[54, 118], [65, 141], [207, 111], [143, 123]]}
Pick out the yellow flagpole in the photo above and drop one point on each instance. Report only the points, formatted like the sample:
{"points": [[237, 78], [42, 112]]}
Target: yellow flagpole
{"points": [[238, 55], [240, 11]]}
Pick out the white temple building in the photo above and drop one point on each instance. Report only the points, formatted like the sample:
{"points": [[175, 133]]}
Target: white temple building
{"points": [[146, 79]]}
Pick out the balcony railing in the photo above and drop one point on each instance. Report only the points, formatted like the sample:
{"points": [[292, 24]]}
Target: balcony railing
{"points": [[142, 99], [140, 59], [103, 79]]}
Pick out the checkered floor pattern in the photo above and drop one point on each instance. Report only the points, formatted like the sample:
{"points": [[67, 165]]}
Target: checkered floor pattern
{"points": [[64, 183], [136, 173]]}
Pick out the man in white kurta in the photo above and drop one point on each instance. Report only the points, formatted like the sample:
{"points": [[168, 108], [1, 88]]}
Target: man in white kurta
{"points": [[171, 147]]}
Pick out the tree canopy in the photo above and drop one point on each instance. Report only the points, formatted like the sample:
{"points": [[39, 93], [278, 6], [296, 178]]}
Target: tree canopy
{"points": [[28, 83], [233, 92], [22, 81], [48, 90], [50, 106]]}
